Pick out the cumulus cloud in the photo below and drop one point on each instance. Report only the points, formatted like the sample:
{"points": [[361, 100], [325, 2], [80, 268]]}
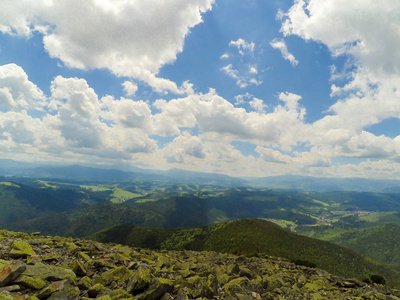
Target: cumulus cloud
{"points": [[130, 38], [369, 40], [213, 114], [182, 147], [255, 103], [127, 113], [281, 46], [16, 91], [371, 90], [130, 88]]}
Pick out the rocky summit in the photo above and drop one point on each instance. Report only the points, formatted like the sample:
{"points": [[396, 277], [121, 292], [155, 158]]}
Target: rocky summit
{"points": [[44, 267]]}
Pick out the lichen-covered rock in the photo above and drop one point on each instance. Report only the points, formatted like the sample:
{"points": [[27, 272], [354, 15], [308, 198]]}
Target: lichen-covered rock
{"points": [[35, 283], [11, 272], [120, 274], [49, 272], [97, 289], [87, 270], [140, 280], [67, 293], [71, 246], [49, 257], [235, 286], [21, 249], [78, 268], [157, 289], [84, 283]]}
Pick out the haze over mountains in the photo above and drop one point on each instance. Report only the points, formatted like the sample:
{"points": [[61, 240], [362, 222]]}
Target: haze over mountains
{"points": [[290, 182]]}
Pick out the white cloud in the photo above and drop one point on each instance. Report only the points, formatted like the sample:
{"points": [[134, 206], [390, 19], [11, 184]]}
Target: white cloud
{"points": [[127, 113], [16, 91], [213, 114], [245, 73], [130, 38], [242, 80], [243, 46], [281, 46], [366, 37], [130, 88], [224, 56], [182, 147], [257, 104]]}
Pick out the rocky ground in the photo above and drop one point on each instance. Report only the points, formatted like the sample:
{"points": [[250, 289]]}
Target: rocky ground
{"points": [[43, 267]]}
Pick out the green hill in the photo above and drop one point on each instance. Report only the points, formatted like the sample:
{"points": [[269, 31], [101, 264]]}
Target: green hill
{"points": [[20, 202], [380, 242], [250, 237]]}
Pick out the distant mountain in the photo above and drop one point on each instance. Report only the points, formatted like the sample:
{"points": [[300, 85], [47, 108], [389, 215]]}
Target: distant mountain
{"points": [[250, 237], [287, 182], [305, 183], [83, 173]]}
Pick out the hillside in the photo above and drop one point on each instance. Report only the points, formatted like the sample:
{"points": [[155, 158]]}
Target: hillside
{"points": [[43, 267], [380, 242], [250, 237]]}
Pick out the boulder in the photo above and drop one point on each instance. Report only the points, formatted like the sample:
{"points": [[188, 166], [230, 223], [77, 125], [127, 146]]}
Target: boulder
{"points": [[120, 274], [140, 280], [21, 249], [11, 272]]}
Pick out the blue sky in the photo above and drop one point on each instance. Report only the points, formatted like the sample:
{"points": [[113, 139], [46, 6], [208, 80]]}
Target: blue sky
{"points": [[244, 88]]}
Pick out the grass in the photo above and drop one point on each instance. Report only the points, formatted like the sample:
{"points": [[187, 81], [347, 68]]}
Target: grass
{"points": [[5, 183], [120, 195]]}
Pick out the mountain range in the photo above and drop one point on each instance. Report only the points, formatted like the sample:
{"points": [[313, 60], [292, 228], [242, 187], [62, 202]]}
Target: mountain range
{"points": [[294, 182]]}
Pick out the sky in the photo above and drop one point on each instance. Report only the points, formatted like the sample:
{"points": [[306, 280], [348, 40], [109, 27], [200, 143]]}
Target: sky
{"points": [[243, 88]]}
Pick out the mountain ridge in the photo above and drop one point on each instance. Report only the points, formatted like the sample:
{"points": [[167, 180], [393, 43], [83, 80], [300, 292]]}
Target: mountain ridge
{"points": [[249, 237]]}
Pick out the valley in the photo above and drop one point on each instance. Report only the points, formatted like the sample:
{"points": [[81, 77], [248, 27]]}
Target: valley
{"points": [[348, 233]]}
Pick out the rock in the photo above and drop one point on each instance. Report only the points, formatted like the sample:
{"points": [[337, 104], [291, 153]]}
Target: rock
{"points": [[235, 286], [97, 289], [119, 294], [10, 288], [233, 269], [10, 272], [140, 280], [245, 272], [120, 274], [21, 249], [78, 268], [67, 293], [158, 288], [71, 246], [50, 257], [36, 283], [84, 283], [49, 272], [4, 263]]}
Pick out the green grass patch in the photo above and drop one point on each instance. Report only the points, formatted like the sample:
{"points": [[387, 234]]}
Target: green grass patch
{"points": [[6, 183], [120, 195]]}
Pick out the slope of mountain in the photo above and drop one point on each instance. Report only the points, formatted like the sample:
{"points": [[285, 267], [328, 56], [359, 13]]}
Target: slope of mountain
{"points": [[380, 242], [92, 270], [250, 237], [175, 211], [20, 202]]}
